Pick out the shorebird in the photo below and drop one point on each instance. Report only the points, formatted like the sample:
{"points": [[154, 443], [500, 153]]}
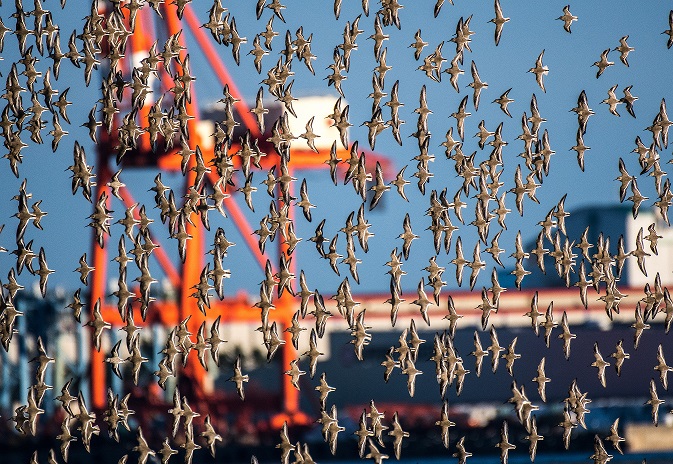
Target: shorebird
{"points": [[504, 100], [624, 50], [603, 63], [669, 31], [540, 71], [541, 379], [477, 85], [567, 18], [654, 402], [499, 21], [462, 454], [504, 444], [619, 355], [599, 364]]}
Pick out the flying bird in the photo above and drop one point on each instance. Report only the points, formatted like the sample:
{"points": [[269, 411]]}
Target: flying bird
{"points": [[567, 18], [540, 71], [499, 21]]}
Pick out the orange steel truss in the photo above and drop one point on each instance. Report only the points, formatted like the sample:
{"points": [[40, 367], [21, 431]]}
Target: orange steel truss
{"points": [[232, 309]]}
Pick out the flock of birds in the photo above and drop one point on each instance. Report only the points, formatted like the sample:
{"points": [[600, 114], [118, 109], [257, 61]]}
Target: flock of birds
{"points": [[102, 43]]}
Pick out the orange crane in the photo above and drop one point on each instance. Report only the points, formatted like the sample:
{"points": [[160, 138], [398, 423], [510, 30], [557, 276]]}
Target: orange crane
{"points": [[183, 278]]}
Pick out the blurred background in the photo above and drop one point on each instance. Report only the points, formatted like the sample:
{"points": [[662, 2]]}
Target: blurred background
{"points": [[252, 427]]}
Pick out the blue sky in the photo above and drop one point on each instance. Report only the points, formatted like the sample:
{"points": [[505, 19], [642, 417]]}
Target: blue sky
{"points": [[532, 28]]}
